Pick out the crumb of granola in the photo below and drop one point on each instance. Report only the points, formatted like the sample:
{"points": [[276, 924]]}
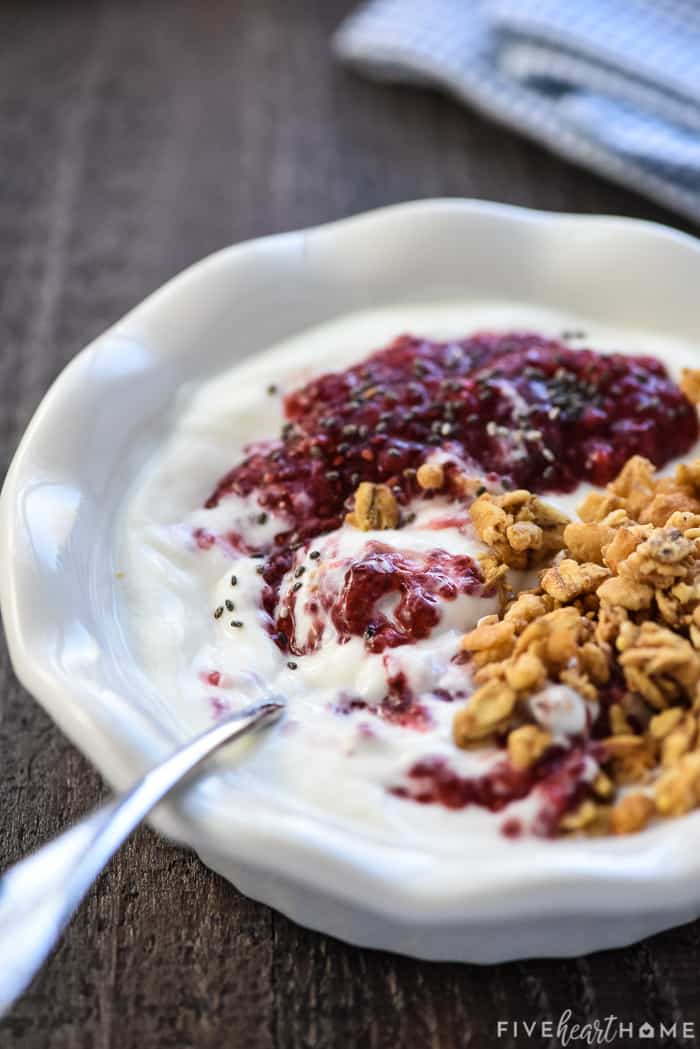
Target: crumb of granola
{"points": [[597, 505], [658, 663], [581, 817], [603, 786], [490, 640], [690, 384], [631, 813], [569, 579], [574, 678], [611, 619], [557, 635], [526, 745], [487, 710], [678, 790], [634, 485], [668, 500], [688, 475], [662, 724], [498, 520], [430, 476], [623, 746], [526, 673], [685, 520], [662, 559], [626, 593], [679, 741], [585, 542], [619, 725], [524, 535], [375, 507], [631, 758], [495, 572], [645, 497], [626, 539], [595, 661], [527, 607]]}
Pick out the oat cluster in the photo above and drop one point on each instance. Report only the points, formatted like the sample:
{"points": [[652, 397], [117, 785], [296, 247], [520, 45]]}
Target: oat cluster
{"points": [[615, 617], [375, 508]]}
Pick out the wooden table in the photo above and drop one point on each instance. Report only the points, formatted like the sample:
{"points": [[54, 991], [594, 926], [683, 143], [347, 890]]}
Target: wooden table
{"points": [[137, 137]]}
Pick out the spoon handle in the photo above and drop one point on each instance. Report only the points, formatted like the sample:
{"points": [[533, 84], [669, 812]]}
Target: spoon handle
{"points": [[39, 894]]}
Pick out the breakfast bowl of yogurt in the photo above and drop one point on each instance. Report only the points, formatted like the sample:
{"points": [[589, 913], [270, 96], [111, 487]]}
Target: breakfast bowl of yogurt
{"points": [[432, 474]]}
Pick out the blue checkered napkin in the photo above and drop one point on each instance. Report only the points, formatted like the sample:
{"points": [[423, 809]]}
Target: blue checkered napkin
{"points": [[612, 84]]}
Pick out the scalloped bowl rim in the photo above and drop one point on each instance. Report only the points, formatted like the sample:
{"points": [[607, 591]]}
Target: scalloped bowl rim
{"points": [[656, 873]]}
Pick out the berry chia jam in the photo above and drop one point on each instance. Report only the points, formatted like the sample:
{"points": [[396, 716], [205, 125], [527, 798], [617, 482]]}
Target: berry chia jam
{"points": [[532, 410]]}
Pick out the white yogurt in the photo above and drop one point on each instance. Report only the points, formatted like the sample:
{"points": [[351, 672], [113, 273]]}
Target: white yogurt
{"points": [[337, 764]]}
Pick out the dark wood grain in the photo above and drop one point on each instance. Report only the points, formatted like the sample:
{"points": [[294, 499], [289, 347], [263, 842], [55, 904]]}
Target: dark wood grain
{"points": [[137, 137]]}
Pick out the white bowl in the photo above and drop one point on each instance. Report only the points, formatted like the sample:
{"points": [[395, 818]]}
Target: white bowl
{"points": [[108, 409]]}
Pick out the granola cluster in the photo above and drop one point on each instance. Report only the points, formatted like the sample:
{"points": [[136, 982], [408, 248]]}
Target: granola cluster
{"points": [[375, 508], [615, 618], [520, 528]]}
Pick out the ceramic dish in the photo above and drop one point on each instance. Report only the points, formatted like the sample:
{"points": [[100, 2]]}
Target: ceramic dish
{"points": [[64, 614]]}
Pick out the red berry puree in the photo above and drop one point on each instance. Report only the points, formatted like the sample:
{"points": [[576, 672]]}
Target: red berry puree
{"points": [[532, 410], [557, 777], [419, 583]]}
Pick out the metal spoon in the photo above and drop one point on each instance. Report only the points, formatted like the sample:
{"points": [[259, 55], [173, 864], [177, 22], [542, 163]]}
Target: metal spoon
{"points": [[39, 895]]}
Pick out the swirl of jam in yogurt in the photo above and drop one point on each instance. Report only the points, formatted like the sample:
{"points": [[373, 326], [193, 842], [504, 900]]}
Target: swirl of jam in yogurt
{"points": [[531, 410], [387, 597]]}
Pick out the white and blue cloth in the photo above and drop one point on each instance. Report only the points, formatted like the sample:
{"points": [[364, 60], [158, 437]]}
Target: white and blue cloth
{"points": [[611, 84]]}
